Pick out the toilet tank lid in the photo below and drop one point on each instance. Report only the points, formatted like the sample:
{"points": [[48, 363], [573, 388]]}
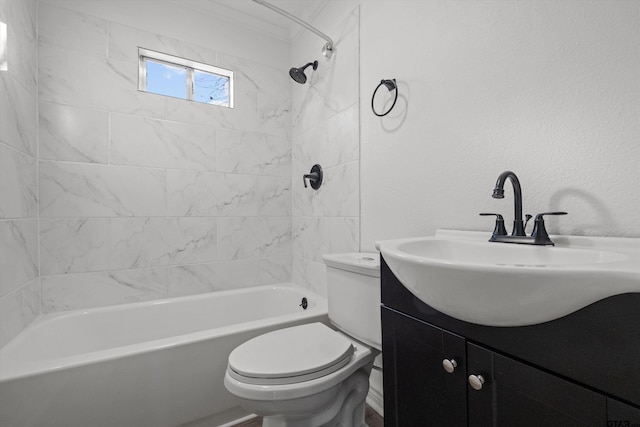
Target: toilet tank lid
{"points": [[357, 262]]}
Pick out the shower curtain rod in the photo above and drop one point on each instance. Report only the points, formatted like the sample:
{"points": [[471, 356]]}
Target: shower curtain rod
{"points": [[327, 49]]}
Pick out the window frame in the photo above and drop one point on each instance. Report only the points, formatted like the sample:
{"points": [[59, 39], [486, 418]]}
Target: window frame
{"points": [[188, 65], [4, 50]]}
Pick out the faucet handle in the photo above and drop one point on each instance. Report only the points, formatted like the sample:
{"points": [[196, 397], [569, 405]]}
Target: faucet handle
{"points": [[540, 215], [499, 229], [314, 177], [539, 230]]}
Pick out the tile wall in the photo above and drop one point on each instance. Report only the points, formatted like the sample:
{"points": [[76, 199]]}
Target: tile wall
{"points": [[325, 114], [326, 130], [144, 196], [19, 281]]}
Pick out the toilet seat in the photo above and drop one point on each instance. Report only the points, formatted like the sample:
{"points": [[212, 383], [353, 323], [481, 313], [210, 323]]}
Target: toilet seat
{"points": [[290, 355]]}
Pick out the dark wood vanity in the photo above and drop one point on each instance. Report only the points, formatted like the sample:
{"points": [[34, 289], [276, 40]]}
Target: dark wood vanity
{"points": [[580, 370]]}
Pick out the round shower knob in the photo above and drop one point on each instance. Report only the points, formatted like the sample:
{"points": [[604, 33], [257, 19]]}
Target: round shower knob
{"points": [[314, 177], [449, 365], [476, 381]]}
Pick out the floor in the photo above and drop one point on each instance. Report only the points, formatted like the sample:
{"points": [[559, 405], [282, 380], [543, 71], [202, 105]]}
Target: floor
{"points": [[371, 417]]}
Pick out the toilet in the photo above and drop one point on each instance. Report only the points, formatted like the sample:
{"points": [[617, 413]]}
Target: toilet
{"points": [[314, 375]]}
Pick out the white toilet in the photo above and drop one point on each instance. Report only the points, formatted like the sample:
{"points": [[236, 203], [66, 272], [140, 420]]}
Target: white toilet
{"points": [[311, 375]]}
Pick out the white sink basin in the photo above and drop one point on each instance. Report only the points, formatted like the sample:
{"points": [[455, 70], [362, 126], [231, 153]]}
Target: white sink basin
{"points": [[464, 276]]}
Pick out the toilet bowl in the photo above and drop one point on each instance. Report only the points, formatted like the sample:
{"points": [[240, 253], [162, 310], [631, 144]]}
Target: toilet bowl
{"points": [[315, 375]]}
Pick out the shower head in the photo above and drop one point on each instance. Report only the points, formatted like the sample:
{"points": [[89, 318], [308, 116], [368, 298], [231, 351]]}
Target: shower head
{"points": [[298, 74]]}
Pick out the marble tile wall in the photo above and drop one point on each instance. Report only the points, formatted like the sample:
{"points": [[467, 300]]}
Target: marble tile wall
{"points": [[326, 130], [19, 276], [325, 114], [144, 196]]}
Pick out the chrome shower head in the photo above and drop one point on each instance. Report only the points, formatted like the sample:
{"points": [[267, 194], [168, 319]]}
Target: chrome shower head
{"points": [[298, 74]]}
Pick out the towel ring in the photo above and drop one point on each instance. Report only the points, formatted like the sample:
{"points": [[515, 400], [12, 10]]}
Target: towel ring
{"points": [[390, 85]]}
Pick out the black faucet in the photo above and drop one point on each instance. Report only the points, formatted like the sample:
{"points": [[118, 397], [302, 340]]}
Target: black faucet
{"points": [[518, 235], [498, 193]]}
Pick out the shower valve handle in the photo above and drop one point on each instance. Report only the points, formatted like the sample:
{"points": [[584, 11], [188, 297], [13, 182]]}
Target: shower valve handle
{"points": [[314, 177]]}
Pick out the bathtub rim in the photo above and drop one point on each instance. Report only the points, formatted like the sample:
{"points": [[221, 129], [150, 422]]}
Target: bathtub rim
{"points": [[11, 369]]}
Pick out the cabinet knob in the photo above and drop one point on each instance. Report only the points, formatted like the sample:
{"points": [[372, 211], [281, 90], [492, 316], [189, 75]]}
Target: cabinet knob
{"points": [[476, 381], [449, 365]]}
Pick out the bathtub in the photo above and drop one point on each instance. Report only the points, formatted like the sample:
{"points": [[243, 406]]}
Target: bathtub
{"points": [[157, 363]]}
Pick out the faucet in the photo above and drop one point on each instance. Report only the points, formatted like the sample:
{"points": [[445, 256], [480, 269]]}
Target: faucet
{"points": [[518, 235], [498, 193]]}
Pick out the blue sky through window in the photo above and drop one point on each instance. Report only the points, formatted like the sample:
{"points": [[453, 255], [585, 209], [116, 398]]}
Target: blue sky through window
{"points": [[177, 77], [210, 88], [165, 79]]}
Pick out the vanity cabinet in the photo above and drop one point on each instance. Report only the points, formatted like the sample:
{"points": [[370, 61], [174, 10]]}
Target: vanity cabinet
{"points": [[419, 391], [416, 386], [516, 394], [429, 357]]}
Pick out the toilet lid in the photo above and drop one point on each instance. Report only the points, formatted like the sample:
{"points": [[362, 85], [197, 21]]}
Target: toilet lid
{"points": [[290, 355]]}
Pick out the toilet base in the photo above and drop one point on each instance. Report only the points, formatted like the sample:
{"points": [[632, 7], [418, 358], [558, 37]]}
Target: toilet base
{"points": [[340, 406]]}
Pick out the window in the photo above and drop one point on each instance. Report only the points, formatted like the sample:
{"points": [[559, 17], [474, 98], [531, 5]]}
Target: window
{"points": [[168, 75], [3, 47]]}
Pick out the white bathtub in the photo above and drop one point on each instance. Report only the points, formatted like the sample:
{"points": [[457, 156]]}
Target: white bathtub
{"points": [[158, 363]]}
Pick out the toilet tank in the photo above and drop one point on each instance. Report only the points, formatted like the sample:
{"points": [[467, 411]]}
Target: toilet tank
{"points": [[353, 294]]}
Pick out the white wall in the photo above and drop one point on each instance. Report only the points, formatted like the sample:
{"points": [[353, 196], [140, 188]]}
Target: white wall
{"points": [[145, 196], [19, 281], [547, 89]]}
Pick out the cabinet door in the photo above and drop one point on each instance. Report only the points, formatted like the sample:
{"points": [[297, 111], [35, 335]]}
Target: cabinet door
{"points": [[418, 390], [622, 415], [516, 394]]}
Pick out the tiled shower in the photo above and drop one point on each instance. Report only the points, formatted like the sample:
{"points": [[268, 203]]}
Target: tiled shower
{"points": [[19, 262], [110, 195], [172, 197]]}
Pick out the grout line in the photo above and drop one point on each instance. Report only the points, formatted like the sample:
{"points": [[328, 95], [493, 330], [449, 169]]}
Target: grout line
{"points": [[37, 71], [109, 138], [17, 150], [359, 143]]}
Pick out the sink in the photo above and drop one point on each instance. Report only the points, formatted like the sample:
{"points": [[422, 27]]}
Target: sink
{"points": [[480, 253], [461, 274]]}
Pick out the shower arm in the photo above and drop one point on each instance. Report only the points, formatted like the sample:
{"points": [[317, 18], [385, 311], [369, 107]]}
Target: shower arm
{"points": [[327, 50]]}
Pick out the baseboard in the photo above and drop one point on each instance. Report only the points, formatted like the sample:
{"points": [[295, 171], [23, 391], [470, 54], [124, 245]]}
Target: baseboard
{"points": [[375, 400]]}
